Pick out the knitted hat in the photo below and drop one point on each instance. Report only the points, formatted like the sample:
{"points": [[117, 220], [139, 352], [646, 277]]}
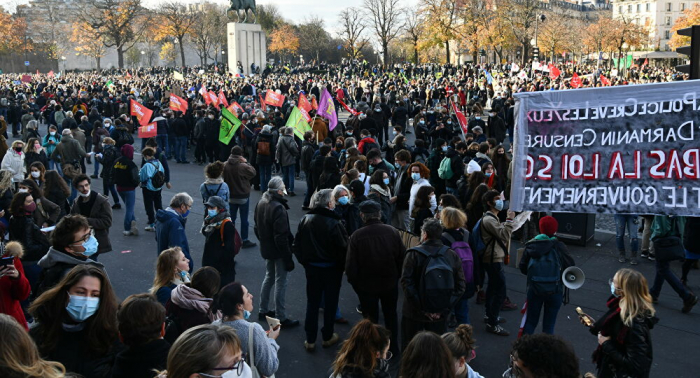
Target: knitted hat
{"points": [[549, 226]]}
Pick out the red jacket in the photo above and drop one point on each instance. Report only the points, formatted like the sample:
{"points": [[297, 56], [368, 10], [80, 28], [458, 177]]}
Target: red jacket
{"points": [[14, 290]]}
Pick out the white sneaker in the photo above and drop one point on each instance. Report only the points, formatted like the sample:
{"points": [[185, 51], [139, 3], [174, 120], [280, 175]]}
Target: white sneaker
{"points": [[134, 228], [127, 233], [149, 228]]}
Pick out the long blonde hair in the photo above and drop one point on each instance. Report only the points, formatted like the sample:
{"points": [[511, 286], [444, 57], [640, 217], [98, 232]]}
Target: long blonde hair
{"points": [[165, 268], [19, 355], [636, 300]]}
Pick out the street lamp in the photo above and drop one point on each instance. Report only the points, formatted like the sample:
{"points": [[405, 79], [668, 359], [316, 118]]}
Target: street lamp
{"points": [[63, 58], [540, 18]]}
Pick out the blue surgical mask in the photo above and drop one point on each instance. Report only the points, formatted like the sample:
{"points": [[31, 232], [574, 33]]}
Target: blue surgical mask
{"points": [[488, 174], [81, 308], [415, 176], [397, 165], [477, 117], [613, 290], [212, 213], [246, 314], [186, 214], [444, 148], [343, 200], [90, 246], [499, 205], [386, 181]]}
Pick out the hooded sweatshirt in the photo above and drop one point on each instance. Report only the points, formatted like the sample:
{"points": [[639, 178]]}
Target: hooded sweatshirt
{"points": [[125, 173], [56, 264]]}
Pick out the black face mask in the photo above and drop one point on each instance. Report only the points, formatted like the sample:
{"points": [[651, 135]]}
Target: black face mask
{"points": [[18, 149]]}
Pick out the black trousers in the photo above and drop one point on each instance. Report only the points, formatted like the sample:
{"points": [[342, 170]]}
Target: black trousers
{"points": [[153, 202], [410, 328], [370, 310], [321, 282]]}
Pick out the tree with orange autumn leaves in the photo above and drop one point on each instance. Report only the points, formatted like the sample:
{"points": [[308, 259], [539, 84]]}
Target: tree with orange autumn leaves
{"points": [[284, 40], [691, 16]]}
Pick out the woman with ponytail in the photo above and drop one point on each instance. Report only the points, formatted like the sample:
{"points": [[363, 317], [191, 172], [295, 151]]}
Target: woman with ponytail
{"points": [[365, 353], [19, 357], [461, 344]]}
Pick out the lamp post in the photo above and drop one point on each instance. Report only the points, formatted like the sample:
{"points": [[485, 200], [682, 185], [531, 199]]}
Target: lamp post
{"points": [[63, 59], [143, 53], [538, 19]]}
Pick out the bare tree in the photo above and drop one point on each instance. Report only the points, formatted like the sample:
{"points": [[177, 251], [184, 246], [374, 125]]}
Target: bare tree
{"points": [[315, 37], [119, 23], [386, 21], [178, 22], [352, 29], [208, 33], [413, 30]]}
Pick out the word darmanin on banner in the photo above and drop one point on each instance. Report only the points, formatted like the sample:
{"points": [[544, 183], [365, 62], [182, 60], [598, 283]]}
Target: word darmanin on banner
{"points": [[627, 149]]}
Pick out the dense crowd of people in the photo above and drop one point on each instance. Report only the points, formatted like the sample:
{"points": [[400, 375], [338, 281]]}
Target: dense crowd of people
{"points": [[427, 221]]}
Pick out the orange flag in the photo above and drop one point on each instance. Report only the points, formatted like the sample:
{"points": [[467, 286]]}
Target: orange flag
{"points": [[142, 113], [304, 103], [178, 103]]}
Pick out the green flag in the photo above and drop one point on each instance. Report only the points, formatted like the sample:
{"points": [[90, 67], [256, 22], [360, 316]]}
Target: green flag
{"points": [[229, 126], [297, 122]]}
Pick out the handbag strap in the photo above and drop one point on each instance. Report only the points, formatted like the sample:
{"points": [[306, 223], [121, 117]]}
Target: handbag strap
{"points": [[251, 350]]}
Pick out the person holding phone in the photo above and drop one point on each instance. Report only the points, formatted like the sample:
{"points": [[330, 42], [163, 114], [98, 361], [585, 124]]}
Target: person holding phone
{"points": [[624, 331], [14, 286], [236, 304]]}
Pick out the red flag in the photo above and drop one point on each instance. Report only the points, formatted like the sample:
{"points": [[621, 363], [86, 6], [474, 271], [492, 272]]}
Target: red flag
{"points": [[213, 99], [26, 78], [274, 99], [604, 80], [203, 92], [222, 99], [314, 104], [646, 61], [142, 113], [461, 118], [50, 74], [178, 103], [37, 72], [352, 111], [554, 72], [148, 131], [576, 81], [305, 114], [235, 107], [262, 103], [304, 103], [128, 75]]}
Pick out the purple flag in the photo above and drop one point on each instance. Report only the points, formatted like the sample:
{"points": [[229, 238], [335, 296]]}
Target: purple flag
{"points": [[326, 109]]}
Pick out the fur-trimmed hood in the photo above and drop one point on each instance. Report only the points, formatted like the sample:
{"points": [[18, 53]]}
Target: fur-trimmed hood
{"points": [[14, 249]]}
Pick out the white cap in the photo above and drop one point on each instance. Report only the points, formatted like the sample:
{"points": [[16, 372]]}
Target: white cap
{"points": [[472, 167]]}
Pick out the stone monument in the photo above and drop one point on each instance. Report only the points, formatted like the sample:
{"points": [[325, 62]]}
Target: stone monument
{"points": [[247, 45]]}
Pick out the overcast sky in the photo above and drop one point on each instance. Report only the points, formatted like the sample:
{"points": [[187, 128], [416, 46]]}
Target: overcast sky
{"points": [[293, 10]]}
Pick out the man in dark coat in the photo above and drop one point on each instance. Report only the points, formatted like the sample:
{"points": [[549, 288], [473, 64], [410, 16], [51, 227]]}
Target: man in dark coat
{"points": [[320, 246], [275, 236], [402, 190], [96, 208], [263, 154], [373, 266]]}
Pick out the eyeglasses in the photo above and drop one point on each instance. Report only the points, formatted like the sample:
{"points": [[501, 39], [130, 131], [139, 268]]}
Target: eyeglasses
{"points": [[86, 237], [237, 368]]}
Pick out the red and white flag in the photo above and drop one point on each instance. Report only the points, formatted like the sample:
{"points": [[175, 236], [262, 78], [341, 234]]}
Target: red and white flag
{"points": [[576, 81], [213, 99], [273, 98], [142, 113], [148, 131], [178, 103], [222, 99], [461, 118], [604, 80]]}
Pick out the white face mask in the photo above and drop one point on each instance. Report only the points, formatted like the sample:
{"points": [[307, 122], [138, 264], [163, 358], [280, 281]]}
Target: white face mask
{"points": [[36, 174], [23, 190], [86, 194]]}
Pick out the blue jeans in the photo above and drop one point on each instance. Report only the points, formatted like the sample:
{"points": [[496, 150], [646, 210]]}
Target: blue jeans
{"points": [[288, 177], [551, 303], [631, 223], [181, 149], [107, 188], [664, 273], [495, 291], [162, 141], [462, 310], [275, 274], [265, 171], [129, 198], [172, 142], [243, 209], [97, 168]]}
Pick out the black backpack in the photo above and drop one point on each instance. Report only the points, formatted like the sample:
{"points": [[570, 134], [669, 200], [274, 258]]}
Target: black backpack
{"points": [[544, 273], [158, 178], [173, 330], [437, 281]]}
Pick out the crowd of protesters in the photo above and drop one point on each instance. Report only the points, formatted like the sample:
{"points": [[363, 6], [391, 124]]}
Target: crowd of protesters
{"points": [[379, 212]]}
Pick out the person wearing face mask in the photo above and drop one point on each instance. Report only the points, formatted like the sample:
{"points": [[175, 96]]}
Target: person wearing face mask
{"points": [[47, 213], [419, 174], [206, 351], [496, 236], [380, 192], [365, 354], [236, 304], [83, 334], [421, 207], [170, 225], [320, 245], [95, 208], [13, 161], [171, 270], [624, 331], [461, 343], [109, 155], [33, 152], [532, 356], [222, 240], [191, 304], [50, 142]]}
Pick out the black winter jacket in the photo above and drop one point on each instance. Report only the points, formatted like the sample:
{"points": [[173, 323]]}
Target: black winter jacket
{"points": [[25, 231], [140, 361], [538, 248], [272, 227], [321, 239], [264, 159], [374, 259]]}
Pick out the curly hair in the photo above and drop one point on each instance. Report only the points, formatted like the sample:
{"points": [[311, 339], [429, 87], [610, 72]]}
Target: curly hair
{"points": [[547, 356], [424, 171]]}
